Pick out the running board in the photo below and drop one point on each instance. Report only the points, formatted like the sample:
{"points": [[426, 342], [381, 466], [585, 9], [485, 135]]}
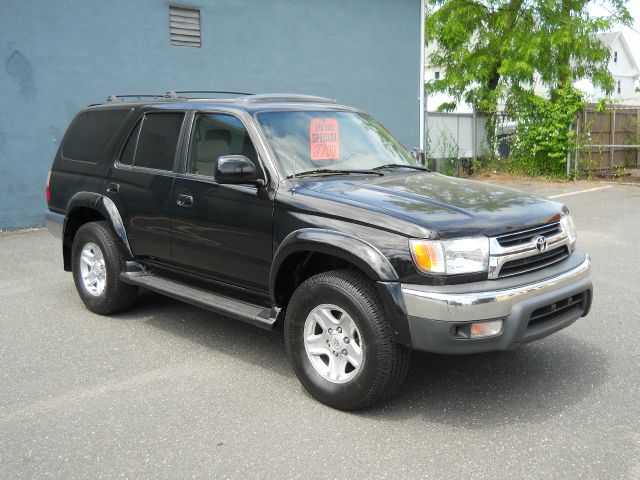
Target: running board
{"points": [[254, 314]]}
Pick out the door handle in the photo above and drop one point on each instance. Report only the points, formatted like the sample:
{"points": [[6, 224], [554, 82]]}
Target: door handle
{"points": [[113, 187], [184, 200]]}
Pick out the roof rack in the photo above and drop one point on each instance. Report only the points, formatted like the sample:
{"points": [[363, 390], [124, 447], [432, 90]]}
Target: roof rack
{"points": [[172, 94], [114, 98], [287, 97], [249, 97], [224, 92]]}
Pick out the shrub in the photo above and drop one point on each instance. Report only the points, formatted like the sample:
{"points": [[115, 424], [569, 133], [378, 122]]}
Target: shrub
{"points": [[544, 133]]}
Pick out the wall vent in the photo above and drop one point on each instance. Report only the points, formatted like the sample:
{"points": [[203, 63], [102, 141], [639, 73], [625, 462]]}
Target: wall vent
{"points": [[184, 26]]}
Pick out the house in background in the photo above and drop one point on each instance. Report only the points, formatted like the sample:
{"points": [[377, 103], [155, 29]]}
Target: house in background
{"points": [[431, 73], [622, 65], [58, 57], [623, 68]]}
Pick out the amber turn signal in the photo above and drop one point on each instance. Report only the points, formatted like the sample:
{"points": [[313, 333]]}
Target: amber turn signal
{"points": [[428, 255]]}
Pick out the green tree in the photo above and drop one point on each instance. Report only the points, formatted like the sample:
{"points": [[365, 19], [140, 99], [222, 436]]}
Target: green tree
{"points": [[493, 51], [545, 134]]}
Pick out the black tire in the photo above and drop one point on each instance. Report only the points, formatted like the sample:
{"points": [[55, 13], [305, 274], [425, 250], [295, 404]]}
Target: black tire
{"points": [[116, 295], [385, 363]]}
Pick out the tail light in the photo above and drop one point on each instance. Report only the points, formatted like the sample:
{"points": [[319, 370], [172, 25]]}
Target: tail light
{"points": [[48, 190]]}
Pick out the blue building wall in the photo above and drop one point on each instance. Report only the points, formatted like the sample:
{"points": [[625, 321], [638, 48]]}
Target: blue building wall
{"points": [[57, 57]]}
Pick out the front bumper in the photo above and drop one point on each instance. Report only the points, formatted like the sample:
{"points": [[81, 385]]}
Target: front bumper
{"points": [[435, 314]]}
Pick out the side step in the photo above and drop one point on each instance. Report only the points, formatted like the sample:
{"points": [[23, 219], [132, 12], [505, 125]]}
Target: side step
{"points": [[254, 314]]}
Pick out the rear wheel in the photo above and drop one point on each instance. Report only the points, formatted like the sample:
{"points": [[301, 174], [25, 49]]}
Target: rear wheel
{"points": [[340, 343], [97, 261]]}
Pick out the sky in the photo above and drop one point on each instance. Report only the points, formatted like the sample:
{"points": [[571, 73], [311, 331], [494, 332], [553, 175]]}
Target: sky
{"points": [[632, 37]]}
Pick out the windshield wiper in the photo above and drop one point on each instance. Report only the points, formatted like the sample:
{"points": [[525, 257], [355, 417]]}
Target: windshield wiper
{"points": [[330, 171], [400, 165]]}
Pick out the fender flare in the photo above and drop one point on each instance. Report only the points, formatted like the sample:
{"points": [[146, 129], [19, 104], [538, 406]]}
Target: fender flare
{"points": [[342, 245], [104, 206], [361, 254]]}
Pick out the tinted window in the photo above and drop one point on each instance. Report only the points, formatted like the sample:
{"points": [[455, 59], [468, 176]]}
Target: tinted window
{"points": [[215, 135], [90, 133], [158, 140], [130, 148]]}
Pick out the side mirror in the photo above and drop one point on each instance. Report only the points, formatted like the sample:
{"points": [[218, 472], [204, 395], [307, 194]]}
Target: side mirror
{"points": [[418, 155], [235, 169]]}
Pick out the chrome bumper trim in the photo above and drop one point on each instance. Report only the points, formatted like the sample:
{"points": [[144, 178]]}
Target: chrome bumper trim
{"points": [[459, 307]]}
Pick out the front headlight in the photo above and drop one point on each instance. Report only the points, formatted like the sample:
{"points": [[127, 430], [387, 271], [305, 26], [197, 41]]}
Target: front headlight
{"points": [[569, 228], [460, 255]]}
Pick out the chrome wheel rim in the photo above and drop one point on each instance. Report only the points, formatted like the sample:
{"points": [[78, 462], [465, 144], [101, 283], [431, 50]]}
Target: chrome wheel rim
{"points": [[93, 270], [333, 343]]}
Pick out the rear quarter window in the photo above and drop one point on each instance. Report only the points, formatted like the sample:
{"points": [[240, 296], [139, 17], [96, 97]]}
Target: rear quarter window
{"points": [[90, 133], [158, 141]]}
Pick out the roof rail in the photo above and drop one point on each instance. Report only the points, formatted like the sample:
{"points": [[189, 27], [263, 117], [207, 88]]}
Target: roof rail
{"points": [[114, 98], [249, 97], [287, 97], [171, 94], [225, 92]]}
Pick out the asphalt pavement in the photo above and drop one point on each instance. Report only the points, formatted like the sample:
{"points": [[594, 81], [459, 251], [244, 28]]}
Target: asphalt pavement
{"points": [[167, 390]]}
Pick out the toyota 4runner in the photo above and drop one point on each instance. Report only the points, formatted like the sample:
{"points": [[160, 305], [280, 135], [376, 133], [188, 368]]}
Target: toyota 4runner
{"points": [[296, 211]]}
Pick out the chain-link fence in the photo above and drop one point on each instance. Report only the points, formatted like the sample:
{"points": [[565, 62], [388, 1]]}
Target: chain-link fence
{"points": [[456, 142]]}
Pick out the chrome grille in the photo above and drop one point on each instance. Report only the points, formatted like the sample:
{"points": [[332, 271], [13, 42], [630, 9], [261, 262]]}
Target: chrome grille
{"points": [[526, 236], [515, 253], [535, 262]]}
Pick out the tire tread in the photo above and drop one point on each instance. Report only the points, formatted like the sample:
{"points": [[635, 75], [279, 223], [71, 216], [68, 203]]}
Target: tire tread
{"points": [[393, 358], [119, 295]]}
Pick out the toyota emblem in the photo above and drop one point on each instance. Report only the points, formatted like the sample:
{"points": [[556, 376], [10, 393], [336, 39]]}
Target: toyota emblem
{"points": [[541, 243]]}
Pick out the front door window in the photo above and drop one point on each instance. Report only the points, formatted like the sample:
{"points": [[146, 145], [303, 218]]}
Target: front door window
{"points": [[215, 135]]}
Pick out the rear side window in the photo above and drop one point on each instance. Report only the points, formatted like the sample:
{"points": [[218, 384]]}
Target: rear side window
{"points": [[154, 141], [130, 148], [90, 133]]}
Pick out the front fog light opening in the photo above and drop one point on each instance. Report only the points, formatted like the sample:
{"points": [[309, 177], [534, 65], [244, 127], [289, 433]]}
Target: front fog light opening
{"points": [[478, 329]]}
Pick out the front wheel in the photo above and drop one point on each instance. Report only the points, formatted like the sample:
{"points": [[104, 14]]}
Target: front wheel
{"points": [[340, 343]]}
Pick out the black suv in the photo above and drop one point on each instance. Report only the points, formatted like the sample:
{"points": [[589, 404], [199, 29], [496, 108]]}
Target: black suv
{"points": [[296, 211]]}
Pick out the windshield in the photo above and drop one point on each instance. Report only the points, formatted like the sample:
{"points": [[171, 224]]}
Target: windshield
{"points": [[331, 140]]}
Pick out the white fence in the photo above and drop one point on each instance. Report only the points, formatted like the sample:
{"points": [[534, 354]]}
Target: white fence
{"points": [[455, 135]]}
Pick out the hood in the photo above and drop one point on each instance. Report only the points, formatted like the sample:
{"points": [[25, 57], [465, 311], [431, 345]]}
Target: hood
{"points": [[451, 206]]}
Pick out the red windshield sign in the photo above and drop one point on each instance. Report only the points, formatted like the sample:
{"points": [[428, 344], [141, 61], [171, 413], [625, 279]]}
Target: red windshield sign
{"points": [[324, 139]]}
